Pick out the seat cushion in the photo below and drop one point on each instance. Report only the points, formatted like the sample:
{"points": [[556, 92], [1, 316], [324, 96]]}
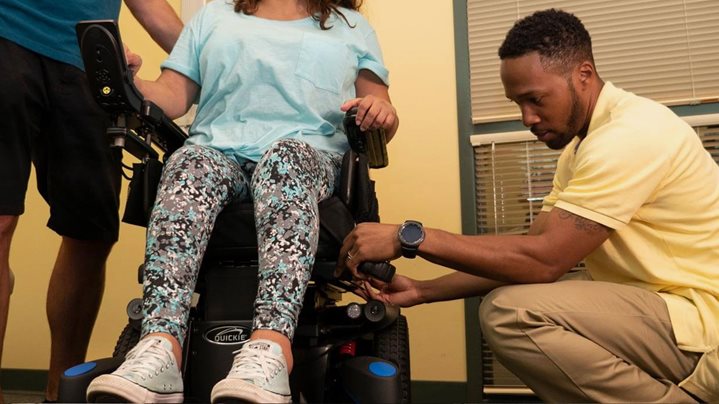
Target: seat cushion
{"points": [[234, 238]]}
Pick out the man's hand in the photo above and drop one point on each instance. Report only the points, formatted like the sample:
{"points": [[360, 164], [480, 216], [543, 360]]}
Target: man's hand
{"points": [[368, 242], [134, 61], [402, 291]]}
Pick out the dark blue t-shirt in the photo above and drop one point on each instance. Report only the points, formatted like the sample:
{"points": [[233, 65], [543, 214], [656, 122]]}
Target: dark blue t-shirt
{"points": [[48, 26]]}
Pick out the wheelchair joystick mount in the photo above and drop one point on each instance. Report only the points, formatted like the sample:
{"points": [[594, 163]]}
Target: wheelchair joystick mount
{"points": [[373, 142], [383, 271]]}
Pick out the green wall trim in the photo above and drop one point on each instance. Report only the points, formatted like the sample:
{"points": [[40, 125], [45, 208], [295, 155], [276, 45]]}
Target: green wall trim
{"points": [[467, 192], [700, 109]]}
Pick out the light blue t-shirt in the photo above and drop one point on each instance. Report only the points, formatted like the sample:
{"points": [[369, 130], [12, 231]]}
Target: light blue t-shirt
{"points": [[47, 27], [263, 80]]}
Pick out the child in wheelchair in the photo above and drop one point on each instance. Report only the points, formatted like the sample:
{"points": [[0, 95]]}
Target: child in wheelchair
{"points": [[272, 80]]}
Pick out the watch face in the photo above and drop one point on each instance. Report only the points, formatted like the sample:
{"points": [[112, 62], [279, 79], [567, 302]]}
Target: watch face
{"points": [[412, 233]]}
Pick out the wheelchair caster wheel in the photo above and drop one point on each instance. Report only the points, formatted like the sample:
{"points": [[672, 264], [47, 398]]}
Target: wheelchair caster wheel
{"points": [[375, 311], [134, 309]]}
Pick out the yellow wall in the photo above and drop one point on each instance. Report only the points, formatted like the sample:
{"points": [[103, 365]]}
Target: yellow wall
{"points": [[422, 182]]}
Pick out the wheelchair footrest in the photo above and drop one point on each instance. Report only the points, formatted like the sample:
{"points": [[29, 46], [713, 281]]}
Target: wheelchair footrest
{"points": [[74, 381], [361, 372]]}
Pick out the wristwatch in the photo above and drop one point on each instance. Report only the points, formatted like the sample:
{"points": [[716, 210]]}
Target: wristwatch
{"points": [[411, 235]]}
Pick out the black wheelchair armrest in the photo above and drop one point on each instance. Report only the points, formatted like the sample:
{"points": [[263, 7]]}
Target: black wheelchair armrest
{"points": [[169, 135], [367, 150], [112, 85], [106, 68]]}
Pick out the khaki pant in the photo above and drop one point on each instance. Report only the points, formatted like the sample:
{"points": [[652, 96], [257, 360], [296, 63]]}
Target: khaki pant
{"points": [[587, 341]]}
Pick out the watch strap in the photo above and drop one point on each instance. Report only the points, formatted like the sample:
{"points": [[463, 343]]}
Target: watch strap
{"points": [[409, 252]]}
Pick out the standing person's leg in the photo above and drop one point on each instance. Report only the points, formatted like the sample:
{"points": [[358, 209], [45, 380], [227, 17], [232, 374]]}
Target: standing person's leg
{"points": [[582, 341], [22, 101], [7, 227], [197, 183], [79, 176], [73, 300], [287, 185]]}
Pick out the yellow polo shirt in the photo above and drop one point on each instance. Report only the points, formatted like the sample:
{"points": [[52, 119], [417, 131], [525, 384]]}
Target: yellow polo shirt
{"points": [[643, 172]]}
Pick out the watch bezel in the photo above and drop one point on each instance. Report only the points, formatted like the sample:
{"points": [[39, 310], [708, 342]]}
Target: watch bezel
{"points": [[402, 239]]}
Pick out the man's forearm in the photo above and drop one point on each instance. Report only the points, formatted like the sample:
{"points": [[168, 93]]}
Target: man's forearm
{"points": [[554, 246], [511, 259], [457, 285], [159, 19]]}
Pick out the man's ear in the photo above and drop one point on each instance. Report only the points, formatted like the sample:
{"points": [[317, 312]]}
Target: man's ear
{"points": [[586, 72]]}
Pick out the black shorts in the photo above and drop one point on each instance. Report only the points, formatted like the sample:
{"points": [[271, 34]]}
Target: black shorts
{"points": [[49, 118]]}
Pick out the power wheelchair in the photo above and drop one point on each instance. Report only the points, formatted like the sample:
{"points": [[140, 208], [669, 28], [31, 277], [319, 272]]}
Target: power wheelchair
{"points": [[351, 353]]}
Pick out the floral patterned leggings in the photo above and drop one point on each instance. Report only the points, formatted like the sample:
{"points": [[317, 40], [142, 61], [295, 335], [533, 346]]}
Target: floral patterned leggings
{"points": [[197, 183]]}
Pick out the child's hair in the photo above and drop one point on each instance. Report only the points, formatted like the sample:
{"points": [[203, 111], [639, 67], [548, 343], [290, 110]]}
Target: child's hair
{"points": [[320, 10]]}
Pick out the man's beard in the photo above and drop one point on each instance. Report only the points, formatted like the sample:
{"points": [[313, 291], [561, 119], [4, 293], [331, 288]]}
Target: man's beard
{"points": [[572, 124]]}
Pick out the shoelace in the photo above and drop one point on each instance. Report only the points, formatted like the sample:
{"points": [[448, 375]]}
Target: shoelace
{"points": [[148, 365], [254, 364]]}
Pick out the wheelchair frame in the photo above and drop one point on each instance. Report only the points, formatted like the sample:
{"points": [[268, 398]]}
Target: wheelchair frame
{"points": [[352, 353]]}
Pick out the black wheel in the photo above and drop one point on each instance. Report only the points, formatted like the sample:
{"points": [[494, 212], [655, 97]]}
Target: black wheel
{"points": [[128, 339], [392, 344]]}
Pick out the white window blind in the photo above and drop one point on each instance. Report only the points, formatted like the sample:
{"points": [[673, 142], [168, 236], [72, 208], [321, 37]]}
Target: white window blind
{"points": [[514, 172], [710, 139], [511, 177], [667, 50]]}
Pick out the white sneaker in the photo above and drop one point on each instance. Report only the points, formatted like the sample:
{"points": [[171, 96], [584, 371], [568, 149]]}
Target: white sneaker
{"points": [[258, 375], [149, 374]]}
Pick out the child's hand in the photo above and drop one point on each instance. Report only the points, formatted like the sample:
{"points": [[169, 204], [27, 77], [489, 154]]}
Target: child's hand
{"points": [[372, 112]]}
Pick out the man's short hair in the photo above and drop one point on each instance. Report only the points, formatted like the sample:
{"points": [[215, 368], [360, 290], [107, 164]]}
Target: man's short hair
{"points": [[559, 37]]}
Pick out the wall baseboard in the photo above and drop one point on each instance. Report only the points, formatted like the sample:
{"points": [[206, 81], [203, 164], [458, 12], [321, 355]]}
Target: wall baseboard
{"points": [[423, 391], [23, 379], [430, 391]]}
